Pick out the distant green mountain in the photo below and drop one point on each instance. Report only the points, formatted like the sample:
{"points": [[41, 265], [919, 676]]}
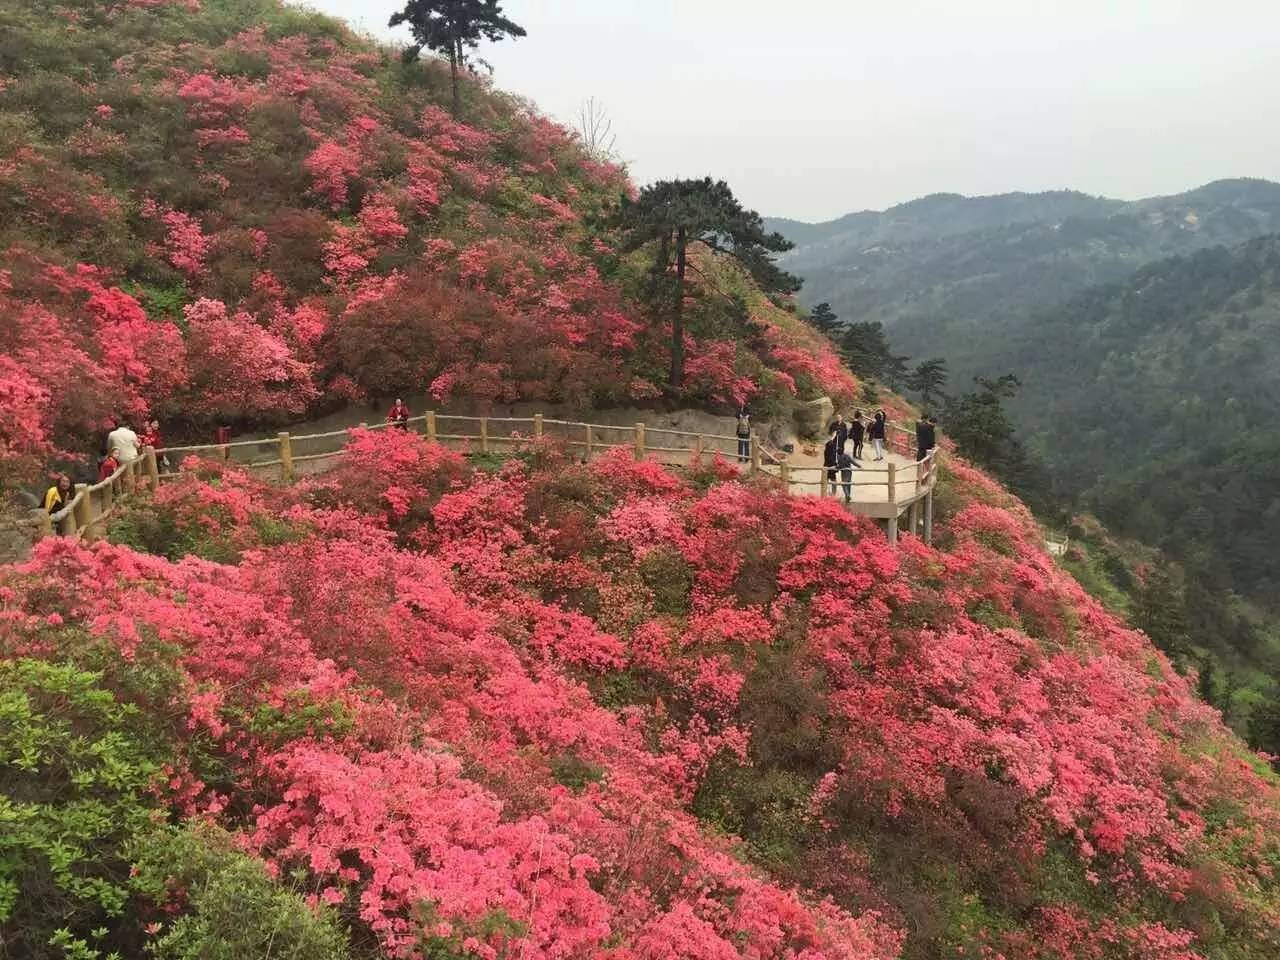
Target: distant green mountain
{"points": [[1156, 399], [947, 273]]}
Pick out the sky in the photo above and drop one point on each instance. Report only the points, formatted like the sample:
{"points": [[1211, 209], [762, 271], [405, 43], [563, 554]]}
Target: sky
{"points": [[814, 108]]}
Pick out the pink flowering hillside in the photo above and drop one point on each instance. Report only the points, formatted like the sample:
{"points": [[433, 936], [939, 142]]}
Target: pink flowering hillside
{"points": [[414, 709], [236, 211]]}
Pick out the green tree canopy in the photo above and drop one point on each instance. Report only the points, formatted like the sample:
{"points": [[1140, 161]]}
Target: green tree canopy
{"points": [[928, 379], [451, 28], [672, 214], [823, 319]]}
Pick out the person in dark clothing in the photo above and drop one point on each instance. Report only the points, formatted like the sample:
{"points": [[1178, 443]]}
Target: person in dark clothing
{"points": [[841, 429], [857, 431], [831, 461], [926, 436], [744, 436], [878, 432]]}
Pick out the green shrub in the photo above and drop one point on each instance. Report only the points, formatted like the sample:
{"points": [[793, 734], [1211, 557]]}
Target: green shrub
{"points": [[75, 765], [667, 574], [233, 909]]}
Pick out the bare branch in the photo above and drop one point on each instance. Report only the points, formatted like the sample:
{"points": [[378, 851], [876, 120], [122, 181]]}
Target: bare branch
{"points": [[596, 130]]}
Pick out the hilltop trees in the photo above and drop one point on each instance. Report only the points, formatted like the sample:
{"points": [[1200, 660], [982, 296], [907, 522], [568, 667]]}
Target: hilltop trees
{"points": [[823, 319], [672, 214], [928, 379], [451, 28]]}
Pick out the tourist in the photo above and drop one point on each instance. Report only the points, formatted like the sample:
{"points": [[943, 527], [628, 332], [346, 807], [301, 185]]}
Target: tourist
{"points": [[399, 415], [110, 464], [847, 466], [926, 437], [842, 430], [58, 495], [831, 461], [124, 442], [151, 438], [857, 431], [877, 433], [744, 435]]}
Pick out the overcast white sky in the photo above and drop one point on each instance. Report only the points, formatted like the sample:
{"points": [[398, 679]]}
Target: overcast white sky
{"points": [[814, 108]]}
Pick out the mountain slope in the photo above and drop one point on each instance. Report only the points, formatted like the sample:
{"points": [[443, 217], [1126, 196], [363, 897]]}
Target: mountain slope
{"points": [[237, 211], [607, 711], [944, 274]]}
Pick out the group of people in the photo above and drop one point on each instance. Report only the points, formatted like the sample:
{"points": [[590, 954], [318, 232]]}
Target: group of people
{"points": [[122, 445], [843, 451]]}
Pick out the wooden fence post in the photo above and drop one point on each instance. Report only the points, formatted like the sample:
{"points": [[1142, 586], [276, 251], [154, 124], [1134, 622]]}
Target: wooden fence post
{"points": [[784, 471], [639, 441], [893, 488], [82, 512], [697, 447], [431, 425], [484, 434], [537, 425], [286, 457], [44, 525], [587, 457], [755, 453], [928, 518], [153, 468]]}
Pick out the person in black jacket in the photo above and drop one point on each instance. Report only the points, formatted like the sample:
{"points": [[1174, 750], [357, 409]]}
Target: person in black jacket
{"points": [[857, 431], [831, 461], [926, 436], [841, 428], [878, 432]]}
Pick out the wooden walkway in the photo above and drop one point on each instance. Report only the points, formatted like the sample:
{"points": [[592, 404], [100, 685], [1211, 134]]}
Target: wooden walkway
{"points": [[885, 491]]}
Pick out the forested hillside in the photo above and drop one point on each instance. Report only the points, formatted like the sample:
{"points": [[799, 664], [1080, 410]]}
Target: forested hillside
{"points": [[946, 274], [444, 705], [1156, 399], [238, 212]]}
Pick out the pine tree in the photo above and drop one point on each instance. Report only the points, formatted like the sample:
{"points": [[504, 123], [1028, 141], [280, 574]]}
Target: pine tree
{"points": [[823, 319], [451, 28], [928, 379], [866, 349], [672, 214]]}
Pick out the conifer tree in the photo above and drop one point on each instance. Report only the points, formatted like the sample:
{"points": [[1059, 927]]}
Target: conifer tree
{"points": [[451, 28], [824, 320], [928, 378], [672, 214]]}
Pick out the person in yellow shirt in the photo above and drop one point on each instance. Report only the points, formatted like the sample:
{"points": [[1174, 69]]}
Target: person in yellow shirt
{"points": [[59, 495]]}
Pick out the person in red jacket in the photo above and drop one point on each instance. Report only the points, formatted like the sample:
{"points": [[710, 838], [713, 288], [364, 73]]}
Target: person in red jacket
{"points": [[110, 464], [399, 415]]}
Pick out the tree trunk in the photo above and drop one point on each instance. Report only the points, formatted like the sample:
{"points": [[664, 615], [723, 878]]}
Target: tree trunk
{"points": [[677, 314], [454, 56]]}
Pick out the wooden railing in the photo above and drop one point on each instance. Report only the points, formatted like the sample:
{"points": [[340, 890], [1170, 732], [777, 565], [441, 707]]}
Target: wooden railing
{"points": [[286, 457], [94, 504], [901, 482], [289, 456]]}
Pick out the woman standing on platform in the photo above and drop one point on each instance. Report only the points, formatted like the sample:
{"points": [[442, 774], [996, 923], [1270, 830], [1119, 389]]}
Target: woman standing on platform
{"points": [[878, 433]]}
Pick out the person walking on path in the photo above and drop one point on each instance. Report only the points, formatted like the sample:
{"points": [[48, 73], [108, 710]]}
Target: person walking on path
{"points": [[857, 432], [123, 442], [59, 495], [399, 415], [877, 433], [926, 437], [831, 462], [744, 436]]}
